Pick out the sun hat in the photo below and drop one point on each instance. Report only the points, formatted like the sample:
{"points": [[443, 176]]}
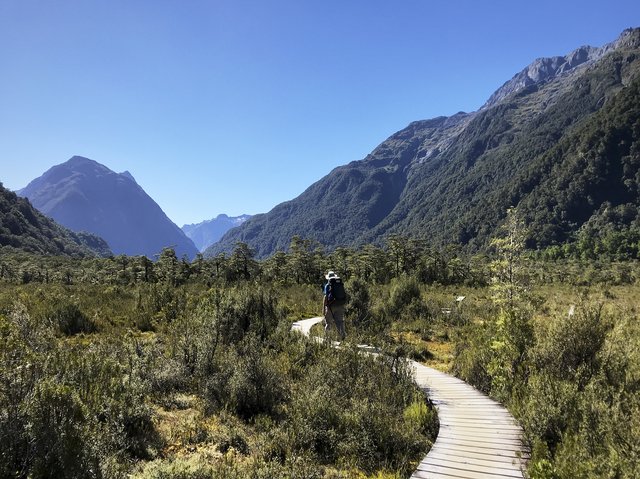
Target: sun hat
{"points": [[331, 274]]}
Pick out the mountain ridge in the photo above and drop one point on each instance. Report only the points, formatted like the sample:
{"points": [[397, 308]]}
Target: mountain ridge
{"points": [[428, 178], [546, 68]]}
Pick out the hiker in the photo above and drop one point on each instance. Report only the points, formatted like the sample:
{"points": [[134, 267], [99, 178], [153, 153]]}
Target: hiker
{"points": [[333, 304]]}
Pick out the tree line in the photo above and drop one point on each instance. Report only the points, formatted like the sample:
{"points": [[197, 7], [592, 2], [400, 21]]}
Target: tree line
{"points": [[305, 262]]}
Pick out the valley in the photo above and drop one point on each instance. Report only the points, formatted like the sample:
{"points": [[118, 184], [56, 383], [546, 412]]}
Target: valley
{"points": [[500, 246]]}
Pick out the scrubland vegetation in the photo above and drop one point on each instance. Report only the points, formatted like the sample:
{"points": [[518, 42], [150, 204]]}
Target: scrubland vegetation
{"points": [[123, 367], [150, 372]]}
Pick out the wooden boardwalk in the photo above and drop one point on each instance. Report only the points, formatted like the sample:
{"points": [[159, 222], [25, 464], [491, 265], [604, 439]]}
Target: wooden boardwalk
{"points": [[478, 438]]}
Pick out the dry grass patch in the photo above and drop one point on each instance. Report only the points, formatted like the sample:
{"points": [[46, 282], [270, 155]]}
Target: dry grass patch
{"points": [[442, 352]]}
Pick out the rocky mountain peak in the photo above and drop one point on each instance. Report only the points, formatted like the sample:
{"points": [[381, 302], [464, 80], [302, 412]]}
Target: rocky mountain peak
{"points": [[545, 69], [128, 175], [629, 38], [82, 164], [79, 160]]}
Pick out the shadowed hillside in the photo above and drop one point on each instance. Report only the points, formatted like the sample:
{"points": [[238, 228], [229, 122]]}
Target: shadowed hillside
{"points": [[23, 228]]}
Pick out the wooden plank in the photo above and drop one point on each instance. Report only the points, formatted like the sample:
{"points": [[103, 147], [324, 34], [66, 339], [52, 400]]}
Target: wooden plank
{"points": [[471, 422], [481, 442], [502, 470], [432, 475], [500, 430], [503, 430], [461, 449], [479, 421], [466, 473], [478, 414], [490, 448], [486, 412], [470, 455], [485, 461], [479, 427], [479, 435]]}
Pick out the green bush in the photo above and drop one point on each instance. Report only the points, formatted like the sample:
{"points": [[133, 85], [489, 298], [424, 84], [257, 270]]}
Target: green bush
{"points": [[170, 375], [256, 386], [70, 320], [580, 403], [472, 355], [569, 348], [246, 381], [230, 467], [420, 417], [349, 411], [59, 434], [404, 291], [45, 427], [359, 305]]}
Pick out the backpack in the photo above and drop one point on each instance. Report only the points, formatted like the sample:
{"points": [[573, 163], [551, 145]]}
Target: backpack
{"points": [[336, 294]]}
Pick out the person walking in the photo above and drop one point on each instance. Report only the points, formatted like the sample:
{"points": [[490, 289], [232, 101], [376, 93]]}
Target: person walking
{"points": [[333, 304]]}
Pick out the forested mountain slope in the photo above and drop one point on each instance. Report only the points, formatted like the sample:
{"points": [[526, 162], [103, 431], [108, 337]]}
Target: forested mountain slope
{"points": [[24, 228], [351, 199], [558, 141], [84, 195], [511, 154]]}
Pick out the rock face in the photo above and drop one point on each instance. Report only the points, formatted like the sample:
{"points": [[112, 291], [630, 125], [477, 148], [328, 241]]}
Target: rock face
{"points": [[546, 69], [84, 195], [205, 233], [451, 179]]}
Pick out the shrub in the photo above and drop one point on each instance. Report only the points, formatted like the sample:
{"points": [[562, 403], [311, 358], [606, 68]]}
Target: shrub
{"points": [[548, 410], [246, 381], [169, 375], [59, 434], [84, 406], [569, 348], [349, 409], [404, 290], [230, 467], [358, 307], [472, 355], [420, 417], [256, 386], [70, 320]]}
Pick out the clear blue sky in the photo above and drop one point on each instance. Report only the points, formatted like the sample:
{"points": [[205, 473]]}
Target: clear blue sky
{"points": [[234, 106]]}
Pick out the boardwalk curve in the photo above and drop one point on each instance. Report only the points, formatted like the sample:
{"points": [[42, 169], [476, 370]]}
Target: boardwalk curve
{"points": [[478, 437]]}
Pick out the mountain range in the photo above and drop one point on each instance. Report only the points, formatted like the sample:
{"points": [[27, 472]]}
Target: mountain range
{"points": [[560, 141], [205, 233], [84, 195]]}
